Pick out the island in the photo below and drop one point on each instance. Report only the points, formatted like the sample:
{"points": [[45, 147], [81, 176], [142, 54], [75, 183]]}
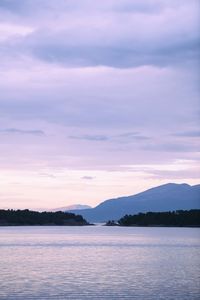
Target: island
{"points": [[28, 217], [178, 218]]}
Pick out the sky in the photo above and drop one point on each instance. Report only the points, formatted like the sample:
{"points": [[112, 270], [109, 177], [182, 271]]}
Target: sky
{"points": [[98, 99]]}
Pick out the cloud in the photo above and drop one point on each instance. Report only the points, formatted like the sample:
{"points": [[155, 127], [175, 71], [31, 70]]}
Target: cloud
{"points": [[86, 137], [27, 6], [48, 175], [8, 31], [123, 137], [22, 131], [171, 147], [168, 33], [110, 83], [87, 177], [131, 136], [192, 133], [174, 175]]}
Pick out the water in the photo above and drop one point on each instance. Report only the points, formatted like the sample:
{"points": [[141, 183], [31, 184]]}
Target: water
{"points": [[99, 262]]}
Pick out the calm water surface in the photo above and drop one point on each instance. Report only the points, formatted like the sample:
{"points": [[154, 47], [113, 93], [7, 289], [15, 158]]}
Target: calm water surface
{"points": [[99, 262]]}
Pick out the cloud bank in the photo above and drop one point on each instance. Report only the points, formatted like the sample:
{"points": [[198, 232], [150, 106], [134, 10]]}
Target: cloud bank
{"points": [[89, 86]]}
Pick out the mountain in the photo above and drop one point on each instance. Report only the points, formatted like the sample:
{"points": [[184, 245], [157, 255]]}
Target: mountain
{"points": [[166, 197], [77, 207], [71, 207]]}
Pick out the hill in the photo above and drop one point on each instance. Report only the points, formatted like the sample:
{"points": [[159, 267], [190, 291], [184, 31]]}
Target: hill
{"points": [[166, 197]]}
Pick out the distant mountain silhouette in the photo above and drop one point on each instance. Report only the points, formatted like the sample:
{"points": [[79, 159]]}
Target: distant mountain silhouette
{"points": [[166, 197], [71, 207]]}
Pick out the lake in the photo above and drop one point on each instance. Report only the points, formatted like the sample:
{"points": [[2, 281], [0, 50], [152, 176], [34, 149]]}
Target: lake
{"points": [[98, 262]]}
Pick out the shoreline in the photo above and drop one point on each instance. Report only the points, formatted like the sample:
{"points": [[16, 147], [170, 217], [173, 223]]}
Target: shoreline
{"points": [[103, 225]]}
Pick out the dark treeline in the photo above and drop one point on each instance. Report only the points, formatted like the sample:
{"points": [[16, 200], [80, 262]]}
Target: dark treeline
{"points": [[28, 217], [178, 218]]}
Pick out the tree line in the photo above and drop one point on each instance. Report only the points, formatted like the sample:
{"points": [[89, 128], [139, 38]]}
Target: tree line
{"points": [[28, 217], [178, 218]]}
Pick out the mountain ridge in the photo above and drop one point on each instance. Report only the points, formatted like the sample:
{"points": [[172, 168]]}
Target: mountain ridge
{"points": [[71, 207], [166, 197]]}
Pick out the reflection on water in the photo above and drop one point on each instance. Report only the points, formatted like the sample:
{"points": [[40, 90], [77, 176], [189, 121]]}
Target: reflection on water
{"points": [[99, 262]]}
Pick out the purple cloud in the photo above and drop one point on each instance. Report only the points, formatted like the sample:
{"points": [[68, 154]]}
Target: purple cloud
{"points": [[110, 83]]}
